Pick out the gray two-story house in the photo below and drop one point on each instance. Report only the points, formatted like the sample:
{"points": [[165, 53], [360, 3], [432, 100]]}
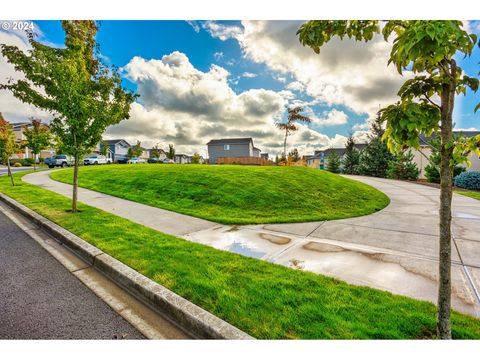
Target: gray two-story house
{"points": [[118, 147], [240, 147]]}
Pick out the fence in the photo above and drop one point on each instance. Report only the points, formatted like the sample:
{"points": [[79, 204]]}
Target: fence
{"points": [[244, 160]]}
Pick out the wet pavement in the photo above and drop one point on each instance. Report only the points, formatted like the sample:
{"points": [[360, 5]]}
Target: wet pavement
{"points": [[395, 249]]}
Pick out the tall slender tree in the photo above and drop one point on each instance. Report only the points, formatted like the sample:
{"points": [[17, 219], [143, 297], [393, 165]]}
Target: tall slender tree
{"points": [[427, 48], [38, 138], [294, 115], [84, 95], [171, 152]]}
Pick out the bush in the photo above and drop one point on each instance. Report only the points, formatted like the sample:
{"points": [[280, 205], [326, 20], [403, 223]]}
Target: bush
{"points": [[17, 164], [468, 180], [26, 162]]}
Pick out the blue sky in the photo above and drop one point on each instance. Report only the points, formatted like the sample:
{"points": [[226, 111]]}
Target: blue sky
{"points": [[186, 71]]}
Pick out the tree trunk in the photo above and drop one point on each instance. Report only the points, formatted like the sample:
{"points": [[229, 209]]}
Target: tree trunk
{"points": [[75, 184], [34, 162], [446, 170], [9, 170], [285, 147]]}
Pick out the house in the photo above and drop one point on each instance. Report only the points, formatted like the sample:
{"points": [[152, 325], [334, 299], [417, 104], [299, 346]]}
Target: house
{"points": [[25, 153], [182, 159], [98, 150], [264, 156], [421, 156], [162, 155], [319, 159], [231, 148], [119, 148]]}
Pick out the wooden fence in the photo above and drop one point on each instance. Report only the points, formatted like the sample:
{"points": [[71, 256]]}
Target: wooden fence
{"points": [[244, 160]]}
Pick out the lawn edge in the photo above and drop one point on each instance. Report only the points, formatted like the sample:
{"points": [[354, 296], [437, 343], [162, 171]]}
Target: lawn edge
{"points": [[197, 321]]}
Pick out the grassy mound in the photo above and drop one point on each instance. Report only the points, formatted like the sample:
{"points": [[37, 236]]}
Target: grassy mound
{"points": [[235, 194]]}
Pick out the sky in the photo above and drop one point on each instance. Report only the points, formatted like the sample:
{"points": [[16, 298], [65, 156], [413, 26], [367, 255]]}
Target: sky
{"points": [[203, 80]]}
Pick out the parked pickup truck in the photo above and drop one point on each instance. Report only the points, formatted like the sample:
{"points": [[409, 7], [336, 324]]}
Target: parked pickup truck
{"points": [[96, 160], [59, 160]]}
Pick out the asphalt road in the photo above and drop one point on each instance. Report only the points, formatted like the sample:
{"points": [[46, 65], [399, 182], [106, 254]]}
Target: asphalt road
{"points": [[40, 299], [4, 170]]}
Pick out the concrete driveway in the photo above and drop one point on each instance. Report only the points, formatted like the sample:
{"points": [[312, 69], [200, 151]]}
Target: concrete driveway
{"points": [[395, 249]]}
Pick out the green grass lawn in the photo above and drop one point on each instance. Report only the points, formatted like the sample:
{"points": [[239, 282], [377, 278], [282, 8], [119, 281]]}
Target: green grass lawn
{"points": [[235, 194], [471, 194], [266, 300]]}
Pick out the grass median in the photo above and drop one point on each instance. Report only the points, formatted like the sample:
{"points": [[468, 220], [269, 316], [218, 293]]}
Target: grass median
{"points": [[232, 194], [266, 300], [470, 194]]}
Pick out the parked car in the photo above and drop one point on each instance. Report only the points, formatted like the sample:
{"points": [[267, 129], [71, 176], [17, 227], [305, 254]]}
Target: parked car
{"points": [[154, 161], [96, 160], [136, 160], [60, 160], [168, 161], [121, 159]]}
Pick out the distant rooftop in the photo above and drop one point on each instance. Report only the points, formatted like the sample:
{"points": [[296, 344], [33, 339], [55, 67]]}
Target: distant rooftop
{"points": [[424, 140], [230, 141]]}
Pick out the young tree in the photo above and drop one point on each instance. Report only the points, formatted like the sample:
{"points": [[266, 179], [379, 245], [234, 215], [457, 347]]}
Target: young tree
{"points": [[351, 158], [196, 158], [432, 170], [84, 95], [289, 126], [333, 162], [136, 150], [38, 137], [402, 167], [426, 48], [155, 153], [104, 148], [171, 152], [8, 145], [374, 158], [293, 155]]}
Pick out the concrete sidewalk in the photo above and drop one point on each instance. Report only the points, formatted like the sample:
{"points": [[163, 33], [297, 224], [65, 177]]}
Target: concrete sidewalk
{"points": [[395, 249]]}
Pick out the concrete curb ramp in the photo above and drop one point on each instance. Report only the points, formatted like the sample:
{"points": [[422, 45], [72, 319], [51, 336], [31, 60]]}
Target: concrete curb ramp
{"points": [[197, 321]]}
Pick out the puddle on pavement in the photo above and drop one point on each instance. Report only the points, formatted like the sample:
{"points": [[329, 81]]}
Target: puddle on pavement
{"points": [[241, 241], [399, 275], [244, 250], [463, 215], [279, 240]]}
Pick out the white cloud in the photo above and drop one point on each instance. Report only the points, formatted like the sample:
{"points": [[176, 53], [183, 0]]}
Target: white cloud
{"points": [[13, 109], [330, 118], [296, 86], [194, 24], [218, 55], [249, 75], [220, 31], [346, 72]]}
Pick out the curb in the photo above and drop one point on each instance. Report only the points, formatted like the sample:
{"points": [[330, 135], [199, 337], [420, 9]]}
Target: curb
{"points": [[197, 321]]}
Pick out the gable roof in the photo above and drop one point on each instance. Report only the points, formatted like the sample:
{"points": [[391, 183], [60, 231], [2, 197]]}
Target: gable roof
{"points": [[424, 140], [340, 151], [116, 141], [230, 141]]}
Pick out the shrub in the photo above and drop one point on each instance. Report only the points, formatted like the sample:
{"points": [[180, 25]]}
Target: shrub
{"points": [[26, 162], [17, 164], [333, 162], [402, 167], [468, 180]]}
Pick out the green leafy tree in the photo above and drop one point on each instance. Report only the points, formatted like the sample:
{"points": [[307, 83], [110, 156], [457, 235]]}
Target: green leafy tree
{"points": [[171, 152], [38, 138], [428, 49], [351, 158], [294, 115], [8, 145], [333, 162], [402, 167], [136, 150], [432, 170], [374, 158], [104, 148], [196, 158], [84, 95]]}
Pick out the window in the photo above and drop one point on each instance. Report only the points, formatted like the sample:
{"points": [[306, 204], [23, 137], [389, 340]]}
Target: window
{"points": [[226, 147]]}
